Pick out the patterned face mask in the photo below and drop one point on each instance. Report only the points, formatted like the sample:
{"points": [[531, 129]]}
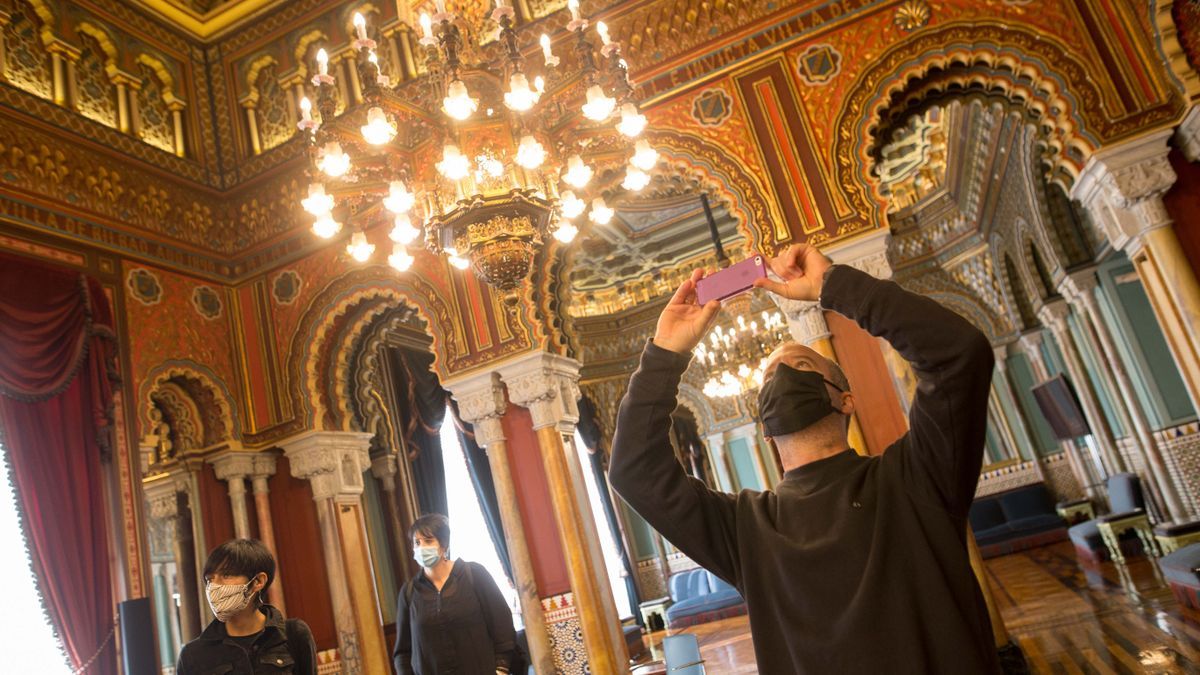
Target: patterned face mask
{"points": [[228, 600]]}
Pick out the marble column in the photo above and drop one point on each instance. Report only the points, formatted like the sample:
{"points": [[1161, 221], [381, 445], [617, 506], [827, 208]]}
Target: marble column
{"points": [[177, 123], [162, 494], [482, 403], [1017, 423], [233, 468], [264, 468], [385, 468], [720, 461], [548, 385], [252, 127], [748, 433], [1031, 344], [333, 462], [1187, 136], [58, 75], [1054, 315], [1122, 188], [1079, 288]]}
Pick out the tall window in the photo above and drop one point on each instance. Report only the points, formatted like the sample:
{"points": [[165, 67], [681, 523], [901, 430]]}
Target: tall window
{"points": [[29, 643], [469, 535], [612, 555]]}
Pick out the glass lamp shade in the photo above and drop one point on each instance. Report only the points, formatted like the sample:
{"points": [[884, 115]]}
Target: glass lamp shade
{"points": [[400, 259], [601, 214], [578, 174], [403, 231], [565, 232], [326, 227], [317, 203], [572, 206], [530, 153], [359, 248], [632, 122], [454, 164], [644, 156], [519, 96], [334, 162], [378, 130], [458, 102], [635, 179], [399, 199], [599, 106]]}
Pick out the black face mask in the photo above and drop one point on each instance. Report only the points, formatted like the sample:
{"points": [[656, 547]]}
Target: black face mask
{"points": [[793, 400]]}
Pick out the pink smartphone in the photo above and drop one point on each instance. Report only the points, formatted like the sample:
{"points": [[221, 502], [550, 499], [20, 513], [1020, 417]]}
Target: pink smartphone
{"points": [[731, 281]]}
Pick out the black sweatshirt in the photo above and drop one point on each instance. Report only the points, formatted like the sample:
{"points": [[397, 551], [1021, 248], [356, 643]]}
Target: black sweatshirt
{"points": [[852, 564], [464, 629]]}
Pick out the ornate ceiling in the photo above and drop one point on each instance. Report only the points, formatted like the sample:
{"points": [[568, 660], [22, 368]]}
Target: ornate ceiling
{"points": [[206, 19]]}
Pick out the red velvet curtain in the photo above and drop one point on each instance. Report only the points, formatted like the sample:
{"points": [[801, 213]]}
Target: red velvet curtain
{"points": [[56, 352]]}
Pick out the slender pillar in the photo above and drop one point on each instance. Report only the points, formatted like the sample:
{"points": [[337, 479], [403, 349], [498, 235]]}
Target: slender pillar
{"points": [[333, 462], [264, 468], [160, 493], [72, 85], [748, 433], [135, 113], [1080, 290], [384, 468], [408, 61], [177, 120], [1122, 188], [482, 403], [719, 459], [548, 386], [1054, 314], [122, 107], [350, 64], [1031, 344], [60, 87], [252, 126], [1017, 423], [233, 468]]}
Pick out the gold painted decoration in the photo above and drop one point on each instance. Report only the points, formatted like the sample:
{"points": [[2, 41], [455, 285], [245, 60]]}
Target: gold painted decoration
{"points": [[819, 64], [207, 302], [27, 63], [912, 14], [157, 127], [97, 95], [275, 123], [144, 286], [712, 107]]}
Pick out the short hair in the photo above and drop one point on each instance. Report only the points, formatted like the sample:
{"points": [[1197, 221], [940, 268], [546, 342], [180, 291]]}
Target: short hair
{"points": [[432, 525], [836, 375], [242, 557]]}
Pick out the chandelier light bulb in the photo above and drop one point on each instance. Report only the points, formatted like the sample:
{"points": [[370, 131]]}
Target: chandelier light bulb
{"points": [[530, 153], [400, 259], [403, 231], [359, 248], [578, 174], [458, 103], [573, 5], [602, 29], [399, 199], [326, 226], [601, 214], [644, 156], [378, 130], [599, 106], [317, 203], [322, 62], [565, 232], [458, 263], [519, 96], [635, 179], [454, 164], [632, 122], [548, 56], [333, 161], [539, 85], [572, 206], [360, 25], [426, 28], [305, 109]]}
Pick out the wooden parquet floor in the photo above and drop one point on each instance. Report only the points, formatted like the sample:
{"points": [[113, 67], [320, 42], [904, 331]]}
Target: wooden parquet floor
{"points": [[1069, 619]]}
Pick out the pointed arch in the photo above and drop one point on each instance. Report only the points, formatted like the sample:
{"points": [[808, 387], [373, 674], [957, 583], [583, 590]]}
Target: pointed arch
{"points": [[208, 392]]}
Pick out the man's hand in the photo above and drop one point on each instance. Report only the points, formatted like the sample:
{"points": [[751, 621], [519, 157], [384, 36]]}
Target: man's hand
{"points": [[683, 322], [802, 268]]}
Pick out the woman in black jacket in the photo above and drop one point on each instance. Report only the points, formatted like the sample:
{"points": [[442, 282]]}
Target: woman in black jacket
{"points": [[247, 637], [450, 618]]}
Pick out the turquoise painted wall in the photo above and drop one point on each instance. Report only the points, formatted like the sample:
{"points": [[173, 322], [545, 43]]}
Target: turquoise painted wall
{"points": [[743, 464], [1021, 376]]}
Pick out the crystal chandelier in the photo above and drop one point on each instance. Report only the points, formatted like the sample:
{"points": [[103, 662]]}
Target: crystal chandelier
{"points": [[485, 159], [737, 351]]}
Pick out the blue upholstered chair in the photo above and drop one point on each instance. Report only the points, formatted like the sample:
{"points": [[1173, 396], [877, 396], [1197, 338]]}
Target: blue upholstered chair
{"points": [[1124, 499], [682, 655]]}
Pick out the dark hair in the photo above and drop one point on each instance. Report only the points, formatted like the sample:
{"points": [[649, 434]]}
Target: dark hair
{"points": [[432, 525], [242, 557], [837, 376]]}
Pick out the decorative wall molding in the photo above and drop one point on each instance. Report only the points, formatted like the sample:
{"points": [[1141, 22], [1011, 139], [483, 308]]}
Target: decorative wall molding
{"points": [[332, 461]]}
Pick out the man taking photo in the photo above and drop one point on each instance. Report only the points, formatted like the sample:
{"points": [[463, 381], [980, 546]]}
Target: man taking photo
{"points": [[852, 564]]}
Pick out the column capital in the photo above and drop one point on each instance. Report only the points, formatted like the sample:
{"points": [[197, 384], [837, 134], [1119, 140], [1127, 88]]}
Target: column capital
{"points": [[1078, 284], [332, 461], [481, 403], [1187, 136], [160, 495], [1122, 187], [546, 384], [1000, 352], [233, 465], [866, 252], [385, 466], [1054, 314], [1031, 341], [806, 320]]}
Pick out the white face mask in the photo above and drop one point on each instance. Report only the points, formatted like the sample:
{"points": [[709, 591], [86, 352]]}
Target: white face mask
{"points": [[228, 600], [426, 556]]}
